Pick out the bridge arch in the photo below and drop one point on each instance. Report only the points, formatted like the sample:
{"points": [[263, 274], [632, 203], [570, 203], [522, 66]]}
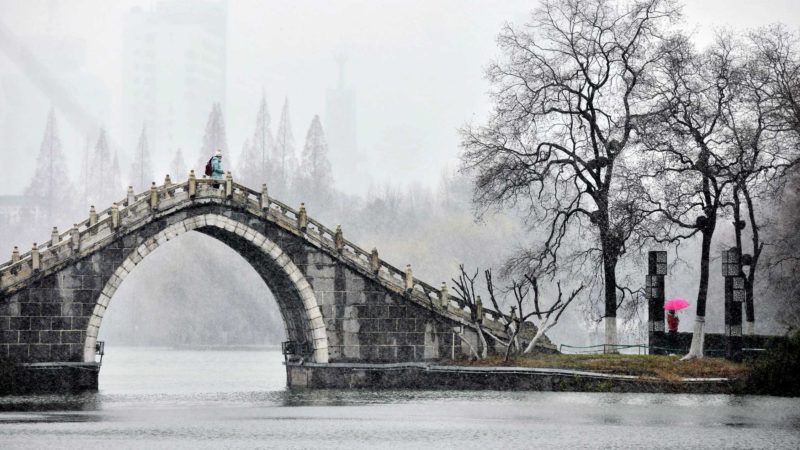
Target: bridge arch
{"points": [[297, 301]]}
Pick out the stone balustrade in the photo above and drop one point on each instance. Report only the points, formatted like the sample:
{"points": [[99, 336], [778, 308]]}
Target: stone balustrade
{"points": [[135, 210]]}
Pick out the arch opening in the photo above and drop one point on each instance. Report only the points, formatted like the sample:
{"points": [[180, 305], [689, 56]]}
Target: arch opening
{"points": [[295, 297]]}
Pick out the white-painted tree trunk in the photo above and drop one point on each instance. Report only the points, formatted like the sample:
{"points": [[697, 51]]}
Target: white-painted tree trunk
{"points": [[698, 338], [750, 328], [611, 334], [540, 330]]}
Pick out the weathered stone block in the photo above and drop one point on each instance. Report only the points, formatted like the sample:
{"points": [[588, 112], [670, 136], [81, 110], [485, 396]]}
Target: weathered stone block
{"points": [[41, 323], [20, 323], [50, 337], [40, 353], [9, 336]]}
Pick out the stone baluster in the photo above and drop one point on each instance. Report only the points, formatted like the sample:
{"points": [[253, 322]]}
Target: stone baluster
{"points": [[302, 218], [153, 196], [444, 296], [54, 237], [167, 185], [338, 239], [114, 216], [35, 259], [192, 184], [409, 278], [15, 255], [263, 201], [374, 261], [131, 196], [228, 184], [478, 309], [92, 216], [75, 237]]}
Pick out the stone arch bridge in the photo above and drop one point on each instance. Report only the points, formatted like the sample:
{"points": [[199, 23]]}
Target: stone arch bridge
{"points": [[339, 302]]}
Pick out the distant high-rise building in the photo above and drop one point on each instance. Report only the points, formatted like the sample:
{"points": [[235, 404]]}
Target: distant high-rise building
{"points": [[348, 164], [174, 71]]}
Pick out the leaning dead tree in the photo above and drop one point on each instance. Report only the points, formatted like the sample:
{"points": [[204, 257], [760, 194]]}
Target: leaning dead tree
{"points": [[526, 306], [465, 288], [567, 94]]}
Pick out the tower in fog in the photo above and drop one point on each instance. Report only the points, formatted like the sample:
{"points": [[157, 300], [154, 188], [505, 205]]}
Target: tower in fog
{"points": [[174, 69], [348, 164]]}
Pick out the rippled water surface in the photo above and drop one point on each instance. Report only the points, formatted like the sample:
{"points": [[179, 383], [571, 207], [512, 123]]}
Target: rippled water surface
{"points": [[159, 398]]}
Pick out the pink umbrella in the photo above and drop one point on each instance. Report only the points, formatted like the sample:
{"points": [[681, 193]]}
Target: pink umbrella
{"points": [[676, 304]]}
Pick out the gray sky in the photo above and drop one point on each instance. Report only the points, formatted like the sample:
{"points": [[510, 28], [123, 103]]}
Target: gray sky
{"points": [[416, 65]]}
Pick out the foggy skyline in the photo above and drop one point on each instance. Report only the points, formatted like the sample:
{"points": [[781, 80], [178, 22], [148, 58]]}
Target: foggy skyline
{"points": [[416, 68]]}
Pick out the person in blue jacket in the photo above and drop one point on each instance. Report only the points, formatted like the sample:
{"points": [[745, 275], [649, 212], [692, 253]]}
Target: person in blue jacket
{"points": [[216, 167]]}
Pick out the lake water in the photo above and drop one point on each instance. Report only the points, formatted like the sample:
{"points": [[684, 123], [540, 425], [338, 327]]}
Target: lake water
{"points": [[176, 399]]}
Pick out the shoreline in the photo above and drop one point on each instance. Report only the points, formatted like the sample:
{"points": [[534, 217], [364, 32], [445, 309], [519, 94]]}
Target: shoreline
{"points": [[307, 375]]}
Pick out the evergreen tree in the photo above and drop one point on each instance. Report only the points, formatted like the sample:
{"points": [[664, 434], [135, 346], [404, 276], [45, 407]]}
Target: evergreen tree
{"points": [[315, 175], [141, 170], [103, 175], [177, 168], [247, 171], [255, 165], [50, 186], [284, 159], [214, 138], [85, 167]]}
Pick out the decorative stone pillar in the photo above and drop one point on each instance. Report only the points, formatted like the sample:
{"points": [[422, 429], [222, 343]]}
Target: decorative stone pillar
{"points": [[130, 197], [92, 216], [409, 278], [478, 309], [654, 287], [734, 298], [114, 216], [75, 237], [35, 259], [338, 239], [263, 200], [302, 218], [15, 255], [444, 296], [55, 238], [153, 196], [374, 261], [192, 184], [228, 184], [167, 185]]}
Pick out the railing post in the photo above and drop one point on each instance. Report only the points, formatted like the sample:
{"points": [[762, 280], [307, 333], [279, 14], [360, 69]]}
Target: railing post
{"points": [[167, 185], [114, 216], [374, 261], [444, 296], [15, 255], [54, 237], [130, 197], [75, 237], [35, 261], [192, 184], [302, 218], [654, 283], [338, 239], [92, 216], [153, 196], [263, 201], [228, 184], [409, 278]]}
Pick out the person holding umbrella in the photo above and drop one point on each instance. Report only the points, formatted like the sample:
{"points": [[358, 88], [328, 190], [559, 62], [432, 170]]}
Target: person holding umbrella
{"points": [[672, 306]]}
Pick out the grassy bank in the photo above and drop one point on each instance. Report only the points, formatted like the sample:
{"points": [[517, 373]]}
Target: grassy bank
{"points": [[668, 368]]}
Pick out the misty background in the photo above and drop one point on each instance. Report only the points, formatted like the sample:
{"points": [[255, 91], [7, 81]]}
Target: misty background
{"points": [[391, 83]]}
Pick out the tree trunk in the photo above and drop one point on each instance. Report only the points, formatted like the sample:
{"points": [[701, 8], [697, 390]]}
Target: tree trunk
{"points": [[542, 327], [696, 350], [610, 319]]}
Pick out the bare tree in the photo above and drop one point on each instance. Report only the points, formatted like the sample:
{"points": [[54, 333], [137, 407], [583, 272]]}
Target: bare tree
{"points": [[465, 288], [686, 169], [567, 96]]}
